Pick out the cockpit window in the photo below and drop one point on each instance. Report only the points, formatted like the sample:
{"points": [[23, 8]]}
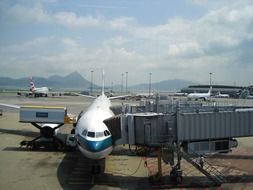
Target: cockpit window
{"points": [[99, 134], [106, 133], [91, 134], [84, 133]]}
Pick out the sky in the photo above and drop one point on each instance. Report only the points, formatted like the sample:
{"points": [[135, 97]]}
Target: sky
{"points": [[187, 39]]}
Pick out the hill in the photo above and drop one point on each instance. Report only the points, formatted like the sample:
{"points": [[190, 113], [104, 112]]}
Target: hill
{"points": [[73, 80], [76, 81]]}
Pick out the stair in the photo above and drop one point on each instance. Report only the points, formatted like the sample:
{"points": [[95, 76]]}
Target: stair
{"points": [[208, 170]]}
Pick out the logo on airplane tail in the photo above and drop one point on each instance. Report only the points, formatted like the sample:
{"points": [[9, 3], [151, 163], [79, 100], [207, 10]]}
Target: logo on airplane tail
{"points": [[32, 86]]}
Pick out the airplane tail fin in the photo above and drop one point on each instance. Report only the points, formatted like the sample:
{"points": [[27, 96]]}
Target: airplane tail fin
{"points": [[32, 85], [210, 90]]}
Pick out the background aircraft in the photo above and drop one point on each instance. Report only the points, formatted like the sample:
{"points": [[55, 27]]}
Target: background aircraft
{"points": [[220, 95], [38, 92], [202, 96]]}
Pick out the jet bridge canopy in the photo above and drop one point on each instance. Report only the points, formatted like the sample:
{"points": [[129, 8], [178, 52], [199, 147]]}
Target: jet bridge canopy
{"points": [[214, 125]]}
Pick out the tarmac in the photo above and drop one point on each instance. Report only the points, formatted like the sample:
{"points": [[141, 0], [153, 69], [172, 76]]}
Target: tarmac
{"points": [[25, 169]]}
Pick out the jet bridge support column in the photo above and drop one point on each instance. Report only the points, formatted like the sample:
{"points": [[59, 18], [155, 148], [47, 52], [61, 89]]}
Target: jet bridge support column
{"points": [[159, 157], [156, 178]]}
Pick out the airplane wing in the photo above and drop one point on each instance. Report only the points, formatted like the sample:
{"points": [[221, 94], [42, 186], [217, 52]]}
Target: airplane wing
{"points": [[118, 97], [87, 96], [10, 106]]}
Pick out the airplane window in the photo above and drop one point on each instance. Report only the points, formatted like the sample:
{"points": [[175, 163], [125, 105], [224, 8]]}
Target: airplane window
{"points": [[99, 134], [84, 133], [107, 133], [91, 134]]}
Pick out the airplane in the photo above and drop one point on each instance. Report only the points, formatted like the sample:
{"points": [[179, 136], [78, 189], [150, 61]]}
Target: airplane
{"points": [[143, 95], [249, 97], [93, 137], [37, 92], [219, 95], [177, 94], [202, 96]]}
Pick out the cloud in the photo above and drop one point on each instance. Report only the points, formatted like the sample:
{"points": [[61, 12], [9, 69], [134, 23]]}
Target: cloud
{"points": [[219, 42], [37, 14], [20, 13], [70, 43], [121, 23], [185, 50], [70, 19]]}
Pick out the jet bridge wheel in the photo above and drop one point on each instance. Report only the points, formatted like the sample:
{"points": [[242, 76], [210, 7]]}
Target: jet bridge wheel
{"points": [[176, 175]]}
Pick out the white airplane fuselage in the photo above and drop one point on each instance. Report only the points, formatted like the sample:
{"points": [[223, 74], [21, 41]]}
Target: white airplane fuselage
{"points": [[197, 96], [219, 95], [94, 140], [42, 90]]}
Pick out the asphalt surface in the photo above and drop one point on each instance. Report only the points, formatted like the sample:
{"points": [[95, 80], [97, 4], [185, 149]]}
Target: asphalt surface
{"points": [[25, 169]]}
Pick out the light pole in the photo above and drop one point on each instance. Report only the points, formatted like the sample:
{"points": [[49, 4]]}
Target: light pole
{"points": [[126, 81], [149, 89], [210, 78], [112, 87], [91, 81], [122, 75]]}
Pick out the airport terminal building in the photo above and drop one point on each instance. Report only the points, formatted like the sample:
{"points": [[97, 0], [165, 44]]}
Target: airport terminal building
{"points": [[232, 91]]}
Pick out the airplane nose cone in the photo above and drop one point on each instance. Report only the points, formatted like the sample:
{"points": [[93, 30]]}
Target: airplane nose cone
{"points": [[95, 146]]}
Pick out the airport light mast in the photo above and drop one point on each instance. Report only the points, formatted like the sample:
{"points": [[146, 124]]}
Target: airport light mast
{"points": [[149, 89], [91, 82], [111, 87], [210, 78], [126, 81], [122, 75]]}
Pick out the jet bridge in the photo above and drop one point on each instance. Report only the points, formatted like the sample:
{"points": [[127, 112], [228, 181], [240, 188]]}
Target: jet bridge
{"points": [[201, 128], [185, 129]]}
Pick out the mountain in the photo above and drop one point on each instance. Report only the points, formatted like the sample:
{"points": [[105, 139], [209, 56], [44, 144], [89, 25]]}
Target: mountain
{"points": [[166, 85], [76, 81], [73, 80]]}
